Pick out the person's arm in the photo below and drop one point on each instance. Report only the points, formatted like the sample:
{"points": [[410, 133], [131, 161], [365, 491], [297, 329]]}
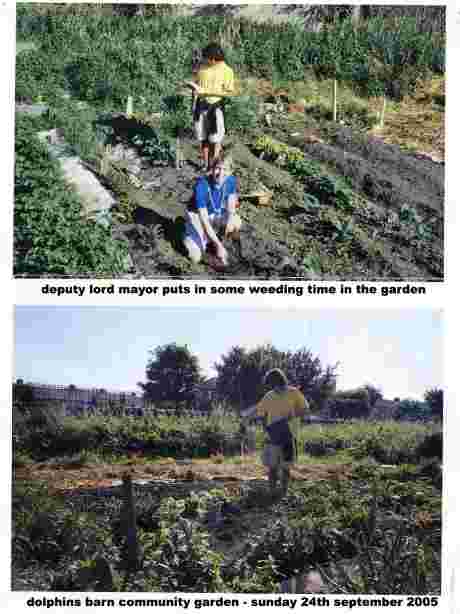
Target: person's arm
{"points": [[201, 197], [301, 406], [228, 83], [232, 203], [211, 234]]}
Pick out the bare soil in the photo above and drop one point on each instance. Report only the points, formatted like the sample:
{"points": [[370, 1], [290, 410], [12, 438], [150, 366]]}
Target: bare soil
{"points": [[284, 240], [62, 478]]}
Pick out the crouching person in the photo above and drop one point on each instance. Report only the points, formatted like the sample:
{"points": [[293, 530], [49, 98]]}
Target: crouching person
{"points": [[278, 406], [212, 214]]}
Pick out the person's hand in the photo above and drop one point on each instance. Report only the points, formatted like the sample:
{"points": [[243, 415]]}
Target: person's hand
{"points": [[221, 253], [193, 85], [231, 226]]}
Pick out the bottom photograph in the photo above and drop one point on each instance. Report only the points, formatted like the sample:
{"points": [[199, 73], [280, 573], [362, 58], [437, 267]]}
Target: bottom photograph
{"points": [[227, 450]]}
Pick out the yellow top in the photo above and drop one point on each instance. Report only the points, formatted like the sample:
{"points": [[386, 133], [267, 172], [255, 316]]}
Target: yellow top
{"points": [[215, 78], [282, 404]]}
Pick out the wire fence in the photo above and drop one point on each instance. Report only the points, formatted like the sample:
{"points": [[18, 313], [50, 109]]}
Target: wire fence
{"points": [[76, 401]]}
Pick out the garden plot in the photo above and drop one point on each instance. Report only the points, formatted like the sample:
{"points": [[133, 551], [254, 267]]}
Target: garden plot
{"points": [[221, 530], [343, 206], [354, 208]]}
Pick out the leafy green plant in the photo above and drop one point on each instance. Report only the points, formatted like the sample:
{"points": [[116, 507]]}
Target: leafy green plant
{"points": [[330, 191], [176, 115], [241, 113], [344, 230], [37, 75], [45, 532], [51, 234], [77, 123], [388, 562], [409, 215], [103, 58]]}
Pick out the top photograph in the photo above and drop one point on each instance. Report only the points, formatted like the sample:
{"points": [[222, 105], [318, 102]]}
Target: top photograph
{"points": [[260, 142]]}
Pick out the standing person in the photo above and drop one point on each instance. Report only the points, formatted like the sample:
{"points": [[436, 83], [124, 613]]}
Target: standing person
{"points": [[212, 213], [212, 81], [281, 403]]}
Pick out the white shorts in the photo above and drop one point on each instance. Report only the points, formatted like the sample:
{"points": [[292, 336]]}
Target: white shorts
{"points": [[194, 228], [203, 125]]}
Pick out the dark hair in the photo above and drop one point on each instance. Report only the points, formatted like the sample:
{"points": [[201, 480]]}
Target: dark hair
{"points": [[275, 378], [222, 158], [213, 52]]}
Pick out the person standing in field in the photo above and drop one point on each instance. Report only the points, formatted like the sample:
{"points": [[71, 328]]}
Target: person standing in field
{"points": [[212, 213], [281, 403], [213, 80]]}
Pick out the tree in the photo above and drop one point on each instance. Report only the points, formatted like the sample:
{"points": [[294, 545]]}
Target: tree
{"points": [[23, 395], [374, 394], [434, 397], [409, 409], [172, 372], [240, 374], [354, 403], [348, 408]]}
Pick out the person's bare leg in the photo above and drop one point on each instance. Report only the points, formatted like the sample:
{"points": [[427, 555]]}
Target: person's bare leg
{"points": [[205, 154], [193, 251], [216, 148], [273, 477], [284, 480]]}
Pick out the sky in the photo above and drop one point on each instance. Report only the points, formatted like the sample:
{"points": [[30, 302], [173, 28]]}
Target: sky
{"points": [[398, 351]]}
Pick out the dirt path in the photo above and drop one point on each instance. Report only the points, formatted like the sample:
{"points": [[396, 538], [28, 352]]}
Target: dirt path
{"points": [[62, 477]]}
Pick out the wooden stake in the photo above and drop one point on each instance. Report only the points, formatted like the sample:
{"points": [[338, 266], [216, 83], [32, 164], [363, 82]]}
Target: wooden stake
{"points": [[334, 101], [129, 517], [382, 114], [179, 154], [129, 107]]}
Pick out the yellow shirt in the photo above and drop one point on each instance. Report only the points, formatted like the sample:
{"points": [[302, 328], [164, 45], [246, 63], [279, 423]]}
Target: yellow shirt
{"points": [[215, 79], [282, 404]]}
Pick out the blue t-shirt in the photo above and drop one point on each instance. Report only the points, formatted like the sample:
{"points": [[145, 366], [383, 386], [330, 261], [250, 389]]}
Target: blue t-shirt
{"points": [[213, 197]]}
